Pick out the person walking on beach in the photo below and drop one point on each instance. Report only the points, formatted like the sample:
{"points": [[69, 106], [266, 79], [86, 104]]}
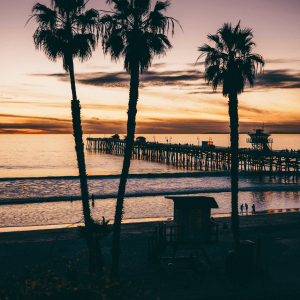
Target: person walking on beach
{"points": [[93, 200], [242, 208], [253, 209], [246, 208]]}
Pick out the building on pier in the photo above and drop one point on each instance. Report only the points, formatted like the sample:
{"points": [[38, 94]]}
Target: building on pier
{"points": [[115, 137], [208, 143], [141, 139]]}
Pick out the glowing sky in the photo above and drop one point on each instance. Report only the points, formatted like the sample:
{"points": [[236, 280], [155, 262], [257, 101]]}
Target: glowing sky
{"points": [[35, 92]]}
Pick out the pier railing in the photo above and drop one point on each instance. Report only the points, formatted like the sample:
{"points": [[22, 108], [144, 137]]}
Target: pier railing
{"points": [[201, 158]]}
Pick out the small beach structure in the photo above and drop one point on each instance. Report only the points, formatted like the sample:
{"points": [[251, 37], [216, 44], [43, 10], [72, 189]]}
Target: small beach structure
{"points": [[192, 226]]}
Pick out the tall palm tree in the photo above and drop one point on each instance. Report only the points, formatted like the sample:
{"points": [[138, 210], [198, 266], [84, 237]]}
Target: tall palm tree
{"points": [[130, 30], [66, 31], [230, 63]]}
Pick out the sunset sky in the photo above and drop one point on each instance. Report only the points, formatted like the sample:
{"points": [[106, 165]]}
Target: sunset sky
{"points": [[35, 93]]}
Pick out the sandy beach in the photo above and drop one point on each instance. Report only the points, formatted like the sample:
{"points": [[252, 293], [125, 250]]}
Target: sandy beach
{"points": [[279, 259]]}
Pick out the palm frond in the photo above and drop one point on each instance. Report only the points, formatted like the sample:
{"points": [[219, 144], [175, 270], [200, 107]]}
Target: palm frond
{"points": [[85, 45], [161, 5], [133, 31], [231, 61], [43, 15], [142, 6], [65, 30]]}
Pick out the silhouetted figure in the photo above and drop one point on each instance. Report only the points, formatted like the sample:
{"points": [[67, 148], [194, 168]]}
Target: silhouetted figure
{"points": [[93, 200], [71, 199], [246, 208], [242, 208], [253, 209]]}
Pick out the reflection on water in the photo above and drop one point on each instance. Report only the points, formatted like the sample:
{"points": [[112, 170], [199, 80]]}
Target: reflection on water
{"points": [[135, 208], [63, 189]]}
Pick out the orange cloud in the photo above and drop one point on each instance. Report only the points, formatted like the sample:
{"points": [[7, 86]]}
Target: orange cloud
{"points": [[27, 124]]}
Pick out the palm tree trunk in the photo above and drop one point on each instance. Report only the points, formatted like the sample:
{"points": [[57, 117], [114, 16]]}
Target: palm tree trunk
{"points": [[133, 98], [234, 143], [79, 147]]}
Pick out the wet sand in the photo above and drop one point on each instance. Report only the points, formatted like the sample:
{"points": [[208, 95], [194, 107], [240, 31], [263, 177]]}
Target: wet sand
{"points": [[280, 235]]}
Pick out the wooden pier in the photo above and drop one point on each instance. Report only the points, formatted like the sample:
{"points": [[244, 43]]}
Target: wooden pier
{"points": [[202, 158]]}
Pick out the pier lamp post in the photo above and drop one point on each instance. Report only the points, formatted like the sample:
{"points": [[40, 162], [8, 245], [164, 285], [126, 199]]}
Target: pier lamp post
{"points": [[154, 138], [198, 140], [170, 139]]}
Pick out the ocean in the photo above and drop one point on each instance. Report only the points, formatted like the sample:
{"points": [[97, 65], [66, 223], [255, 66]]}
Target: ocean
{"points": [[39, 176]]}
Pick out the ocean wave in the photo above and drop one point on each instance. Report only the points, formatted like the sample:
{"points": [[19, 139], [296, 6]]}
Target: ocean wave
{"points": [[113, 176], [263, 188]]}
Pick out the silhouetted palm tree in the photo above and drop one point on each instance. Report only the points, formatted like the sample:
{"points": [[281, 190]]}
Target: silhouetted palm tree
{"points": [[137, 34], [230, 64], [66, 31]]}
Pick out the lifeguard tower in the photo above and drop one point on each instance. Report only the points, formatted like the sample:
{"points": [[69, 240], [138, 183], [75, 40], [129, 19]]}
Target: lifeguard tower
{"points": [[192, 226], [260, 141]]}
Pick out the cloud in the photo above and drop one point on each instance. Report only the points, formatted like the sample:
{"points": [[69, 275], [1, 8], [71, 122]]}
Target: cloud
{"points": [[29, 124], [199, 63], [105, 107], [180, 126], [122, 79], [281, 61], [159, 65], [20, 123], [284, 78], [171, 77], [245, 108], [40, 104], [190, 79]]}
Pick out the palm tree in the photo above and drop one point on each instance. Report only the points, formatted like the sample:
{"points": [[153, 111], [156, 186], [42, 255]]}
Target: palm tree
{"points": [[230, 64], [66, 31], [130, 30]]}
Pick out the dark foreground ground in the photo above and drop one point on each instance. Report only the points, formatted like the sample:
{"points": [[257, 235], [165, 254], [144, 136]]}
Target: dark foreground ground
{"points": [[278, 276]]}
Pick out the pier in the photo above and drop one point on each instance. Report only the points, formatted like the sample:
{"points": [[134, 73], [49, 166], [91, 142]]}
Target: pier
{"points": [[206, 158]]}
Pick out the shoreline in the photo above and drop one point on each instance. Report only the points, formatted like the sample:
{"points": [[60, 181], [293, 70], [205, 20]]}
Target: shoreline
{"points": [[142, 220]]}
